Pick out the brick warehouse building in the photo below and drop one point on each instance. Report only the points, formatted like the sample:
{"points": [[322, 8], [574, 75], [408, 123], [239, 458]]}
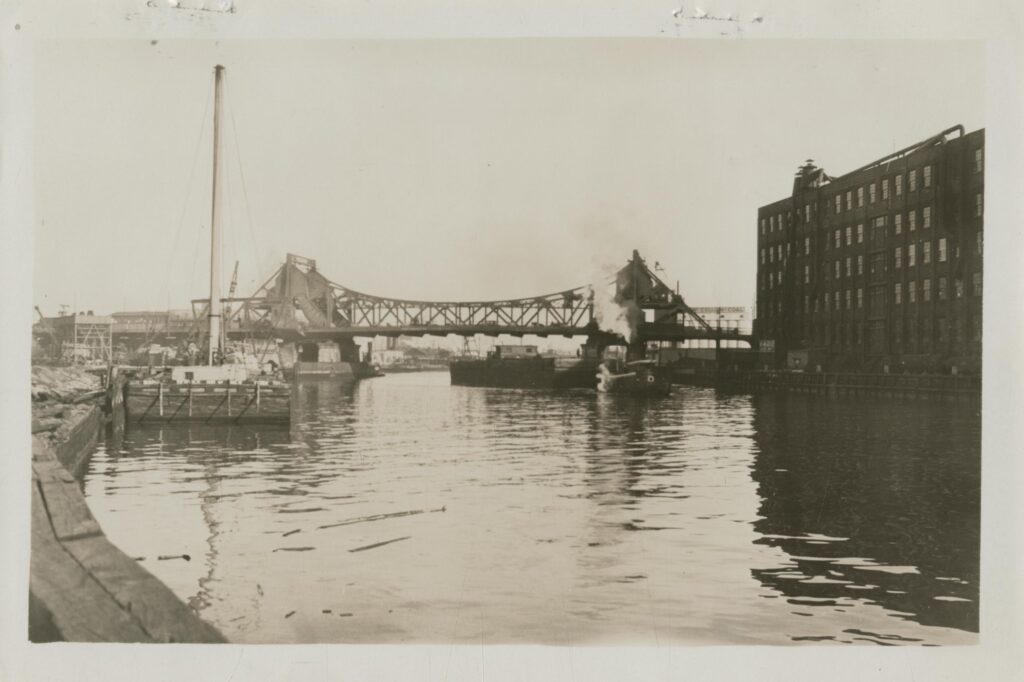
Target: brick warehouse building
{"points": [[880, 267]]}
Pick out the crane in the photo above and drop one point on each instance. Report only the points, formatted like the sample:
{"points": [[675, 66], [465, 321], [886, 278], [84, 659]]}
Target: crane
{"points": [[226, 307]]}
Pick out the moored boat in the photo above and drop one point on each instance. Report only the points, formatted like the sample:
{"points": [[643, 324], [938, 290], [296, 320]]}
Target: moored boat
{"points": [[205, 394], [214, 392]]}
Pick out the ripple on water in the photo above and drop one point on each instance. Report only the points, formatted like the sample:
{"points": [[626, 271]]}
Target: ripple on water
{"points": [[569, 517]]}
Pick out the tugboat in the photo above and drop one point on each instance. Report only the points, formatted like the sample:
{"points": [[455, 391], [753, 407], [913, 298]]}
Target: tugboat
{"points": [[642, 377], [214, 392]]}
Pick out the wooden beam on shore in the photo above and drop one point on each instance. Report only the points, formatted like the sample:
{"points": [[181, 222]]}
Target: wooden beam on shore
{"points": [[88, 589]]}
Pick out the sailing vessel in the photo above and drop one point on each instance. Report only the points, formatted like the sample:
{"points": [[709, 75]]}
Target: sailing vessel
{"points": [[215, 392]]}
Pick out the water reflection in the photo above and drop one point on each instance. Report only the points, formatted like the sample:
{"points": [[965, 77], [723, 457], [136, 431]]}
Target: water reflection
{"points": [[874, 500], [568, 517]]}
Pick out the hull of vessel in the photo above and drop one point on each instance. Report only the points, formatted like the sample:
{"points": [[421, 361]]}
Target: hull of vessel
{"points": [[523, 373]]}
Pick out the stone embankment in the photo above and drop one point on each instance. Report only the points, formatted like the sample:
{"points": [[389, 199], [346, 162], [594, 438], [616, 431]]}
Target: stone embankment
{"points": [[83, 588]]}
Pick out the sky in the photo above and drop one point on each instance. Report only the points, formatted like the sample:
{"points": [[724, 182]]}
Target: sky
{"points": [[454, 169]]}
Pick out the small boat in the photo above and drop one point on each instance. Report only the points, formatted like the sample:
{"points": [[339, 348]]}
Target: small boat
{"points": [[643, 377], [217, 392]]}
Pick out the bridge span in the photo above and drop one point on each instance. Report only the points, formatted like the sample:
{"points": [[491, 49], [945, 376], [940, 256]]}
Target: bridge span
{"points": [[299, 303]]}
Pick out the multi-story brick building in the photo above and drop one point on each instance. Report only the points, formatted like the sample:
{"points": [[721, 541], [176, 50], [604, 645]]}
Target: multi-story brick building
{"points": [[881, 266]]}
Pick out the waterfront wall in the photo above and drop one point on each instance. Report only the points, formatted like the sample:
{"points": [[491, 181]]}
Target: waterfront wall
{"points": [[939, 386], [82, 588]]}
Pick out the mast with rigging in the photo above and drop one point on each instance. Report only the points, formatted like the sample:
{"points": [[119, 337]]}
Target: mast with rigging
{"points": [[215, 352]]}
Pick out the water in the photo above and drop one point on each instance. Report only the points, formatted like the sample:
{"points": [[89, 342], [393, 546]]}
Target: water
{"points": [[567, 517]]}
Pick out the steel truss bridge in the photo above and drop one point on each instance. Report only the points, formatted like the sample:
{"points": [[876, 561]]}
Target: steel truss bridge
{"points": [[298, 303]]}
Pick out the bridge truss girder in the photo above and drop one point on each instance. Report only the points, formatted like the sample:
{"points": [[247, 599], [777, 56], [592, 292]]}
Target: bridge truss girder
{"points": [[299, 302]]}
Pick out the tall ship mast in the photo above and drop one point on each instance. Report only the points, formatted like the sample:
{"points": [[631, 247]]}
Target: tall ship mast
{"points": [[217, 392], [215, 351]]}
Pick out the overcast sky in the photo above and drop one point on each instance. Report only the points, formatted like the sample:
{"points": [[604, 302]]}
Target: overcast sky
{"points": [[462, 170]]}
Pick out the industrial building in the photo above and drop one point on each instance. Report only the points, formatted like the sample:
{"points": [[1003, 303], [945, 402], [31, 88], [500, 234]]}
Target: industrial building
{"points": [[879, 269]]}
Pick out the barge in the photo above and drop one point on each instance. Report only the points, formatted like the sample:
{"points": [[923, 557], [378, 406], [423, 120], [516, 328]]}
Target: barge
{"points": [[205, 394], [523, 367]]}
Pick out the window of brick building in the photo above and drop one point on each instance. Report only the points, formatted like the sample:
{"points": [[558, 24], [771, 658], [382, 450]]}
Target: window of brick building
{"points": [[860, 233], [926, 217], [848, 299], [897, 293], [807, 246], [860, 297], [860, 196], [849, 267], [978, 206], [872, 193], [912, 291], [837, 270], [912, 180], [978, 160], [885, 188], [849, 200], [911, 255], [898, 222], [849, 235], [860, 265], [807, 274], [942, 249], [899, 184], [926, 252], [977, 243], [839, 204], [839, 238], [912, 221], [942, 289], [958, 288], [926, 290], [898, 257], [926, 176]]}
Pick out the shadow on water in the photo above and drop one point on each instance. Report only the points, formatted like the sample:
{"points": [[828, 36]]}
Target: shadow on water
{"points": [[874, 499]]}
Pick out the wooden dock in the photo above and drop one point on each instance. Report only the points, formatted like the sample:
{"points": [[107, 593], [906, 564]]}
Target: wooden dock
{"points": [[82, 587]]}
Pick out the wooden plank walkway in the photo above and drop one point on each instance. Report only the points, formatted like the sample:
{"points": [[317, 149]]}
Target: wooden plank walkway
{"points": [[85, 588]]}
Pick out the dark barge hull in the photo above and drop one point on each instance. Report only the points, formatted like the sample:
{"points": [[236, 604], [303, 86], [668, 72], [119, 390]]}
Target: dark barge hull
{"points": [[157, 403], [524, 373]]}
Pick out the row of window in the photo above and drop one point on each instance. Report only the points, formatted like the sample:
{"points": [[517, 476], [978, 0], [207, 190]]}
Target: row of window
{"points": [[846, 266], [942, 293], [771, 222], [853, 234], [916, 335], [849, 299]]}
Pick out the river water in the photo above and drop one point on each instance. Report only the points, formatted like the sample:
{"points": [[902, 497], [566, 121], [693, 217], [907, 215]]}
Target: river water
{"points": [[560, 518]]}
